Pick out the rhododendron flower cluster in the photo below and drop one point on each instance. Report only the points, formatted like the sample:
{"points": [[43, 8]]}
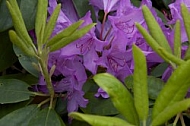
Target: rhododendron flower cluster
{"points": [[107, 47]]}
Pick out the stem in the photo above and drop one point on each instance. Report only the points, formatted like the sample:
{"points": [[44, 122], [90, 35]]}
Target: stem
{"points": [[40, 94], [182, 120], [176, 119], [43, 102], [102, 28]]}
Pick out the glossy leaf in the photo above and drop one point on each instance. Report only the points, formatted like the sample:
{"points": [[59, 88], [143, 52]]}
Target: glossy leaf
{"points": [[155, 30], [65, 33], [28, 9], [20, 117], [51, 23], [120, 96], [157, 48], [174, 90], [171, 111], [155, 85], [96, 120], [5, 18], [186, 15], [12, 91], [7, 55], [46, 117], [76, 35], [99, 106], [26, 61], [140, 84], [8, 108], [159, 69], [177, 40]]}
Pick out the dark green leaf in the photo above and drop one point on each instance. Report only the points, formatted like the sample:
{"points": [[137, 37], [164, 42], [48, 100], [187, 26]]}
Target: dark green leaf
{"points": [[26, 62], [155, 85], [83, 7], [7, 55], [28, 78], [99, 106], [20, 117], [140, 86], [8, 108], [174, 90], [95, 120], [12, 91], [159, 70], [46, 117], [119, 95], [28, 10]]}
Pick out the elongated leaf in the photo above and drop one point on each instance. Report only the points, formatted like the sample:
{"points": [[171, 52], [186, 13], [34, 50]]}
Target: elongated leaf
{"points": [[140, 83], [120, 96], [15, 39], [12, 91], [95, 120], [174, 90], [19, 22], [20, 117], [66, 32], [171, 111], [155, 30], [177, 40], [46, 117], [186, 15], [157, 48], [76, 35], [51, 23], [41, 17]]}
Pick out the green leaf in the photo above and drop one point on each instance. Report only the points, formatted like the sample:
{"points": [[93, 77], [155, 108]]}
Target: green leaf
{"points": [[82, 7], [51, 23], [155, 85], [5, 18], [46, 117], [20, 117], [174, 90], [7, 55], [12, 91], [28, 9], [168, 57], [26, 61], [28, 78], [15, 39], [8, 108], [41, 17], [171, 111], [99, 106], [19, 22], [159, 70], [155, 30], [186, 15], [120, 96], [95, 120], [65, 33], [177, 40], [76, 35], [140, 84]]}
